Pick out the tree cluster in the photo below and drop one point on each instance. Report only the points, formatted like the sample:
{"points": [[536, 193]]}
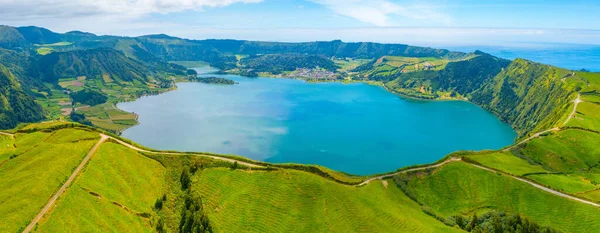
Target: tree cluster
{"points": [[499, 222]]}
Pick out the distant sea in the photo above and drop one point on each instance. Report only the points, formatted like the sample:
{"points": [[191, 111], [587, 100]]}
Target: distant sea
{"points": [[569, 56]]}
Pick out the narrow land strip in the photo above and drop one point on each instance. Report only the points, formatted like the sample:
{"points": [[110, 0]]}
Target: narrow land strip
{"points": [[65, 185], [180, 153], [452, 159]]}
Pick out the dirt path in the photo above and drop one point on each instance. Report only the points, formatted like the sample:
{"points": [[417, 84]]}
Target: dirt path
{"points": [[557, 193], [180, 153], [65, 185], [7, 134], [536, 135], [453, 159], [576, 101]]}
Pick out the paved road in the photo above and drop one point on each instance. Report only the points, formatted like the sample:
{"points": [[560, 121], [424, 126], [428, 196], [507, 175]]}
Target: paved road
{"points": [[65, 185], [453, 159], [180, 153]]}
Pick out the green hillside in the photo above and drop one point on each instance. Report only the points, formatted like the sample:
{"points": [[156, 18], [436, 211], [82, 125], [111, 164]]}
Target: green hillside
{"points": [[459, 188], [91, 63], [529, 96], [548, 181], [124, 190], [277, 63], [15, 105]]}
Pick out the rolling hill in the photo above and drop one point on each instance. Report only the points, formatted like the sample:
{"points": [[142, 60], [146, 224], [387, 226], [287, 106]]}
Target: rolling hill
{"points": [[548, 181]]}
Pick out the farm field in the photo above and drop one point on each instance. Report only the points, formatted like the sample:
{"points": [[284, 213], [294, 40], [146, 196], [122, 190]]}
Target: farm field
{"points": [[108, 116], [45, 49]]}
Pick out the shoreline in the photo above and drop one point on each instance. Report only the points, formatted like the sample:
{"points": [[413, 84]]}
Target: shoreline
{"points": [[373, 83]]}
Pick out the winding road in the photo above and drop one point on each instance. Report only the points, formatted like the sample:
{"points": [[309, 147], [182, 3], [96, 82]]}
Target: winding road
{"points": [[576, 101], [65, 185]]}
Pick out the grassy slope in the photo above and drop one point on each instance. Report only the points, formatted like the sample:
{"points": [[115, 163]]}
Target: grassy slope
{"points": [[565, 151], [292, 201], [29, 180], [569, 184], [7, 148], [117, 174], [460, 188], [588, 116], [507, 162]]}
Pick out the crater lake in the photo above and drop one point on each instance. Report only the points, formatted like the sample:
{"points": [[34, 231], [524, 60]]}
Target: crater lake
{"points": [[355, 128]]}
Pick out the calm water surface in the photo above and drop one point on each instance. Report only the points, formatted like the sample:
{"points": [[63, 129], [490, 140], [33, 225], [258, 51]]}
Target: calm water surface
{"points": [[356, 128]]}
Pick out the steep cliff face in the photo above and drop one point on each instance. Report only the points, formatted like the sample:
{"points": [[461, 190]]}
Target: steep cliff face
{"points": [[527, 95]]}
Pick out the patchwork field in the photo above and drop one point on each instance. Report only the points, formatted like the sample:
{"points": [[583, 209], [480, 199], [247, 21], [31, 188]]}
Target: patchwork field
{"points": [[108, 116]]}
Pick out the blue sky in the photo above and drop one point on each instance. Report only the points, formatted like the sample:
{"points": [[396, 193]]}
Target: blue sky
{"points": [[400, 21]]}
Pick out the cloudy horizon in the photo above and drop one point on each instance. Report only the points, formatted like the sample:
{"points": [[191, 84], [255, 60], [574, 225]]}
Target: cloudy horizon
{"points": [[438, 22]]}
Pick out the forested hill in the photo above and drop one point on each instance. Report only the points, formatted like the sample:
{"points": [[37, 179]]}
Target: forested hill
{"points": [[15, 105], [335, 48], [530, 96], [220, 53], [525, 94], [92, 63], [277, 63]]}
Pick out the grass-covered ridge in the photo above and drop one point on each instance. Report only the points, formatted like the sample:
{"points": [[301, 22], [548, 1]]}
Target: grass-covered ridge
{"points": [[271, 198], [551, 178]]}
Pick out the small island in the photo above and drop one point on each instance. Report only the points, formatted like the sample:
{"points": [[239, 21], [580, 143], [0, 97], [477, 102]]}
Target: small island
{"points": [[213, 80]]}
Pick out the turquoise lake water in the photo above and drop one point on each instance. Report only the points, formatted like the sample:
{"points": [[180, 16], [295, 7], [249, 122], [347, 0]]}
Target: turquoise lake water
{"points": [[355, 128]]}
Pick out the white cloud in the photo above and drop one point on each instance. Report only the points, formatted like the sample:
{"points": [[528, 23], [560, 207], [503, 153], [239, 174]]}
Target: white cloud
{"points": [[72, 9], [436, 37], [380, 12]]}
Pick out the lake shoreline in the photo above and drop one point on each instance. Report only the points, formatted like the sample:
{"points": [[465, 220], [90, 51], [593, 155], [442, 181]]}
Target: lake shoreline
{"points": [[317, 146]]}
